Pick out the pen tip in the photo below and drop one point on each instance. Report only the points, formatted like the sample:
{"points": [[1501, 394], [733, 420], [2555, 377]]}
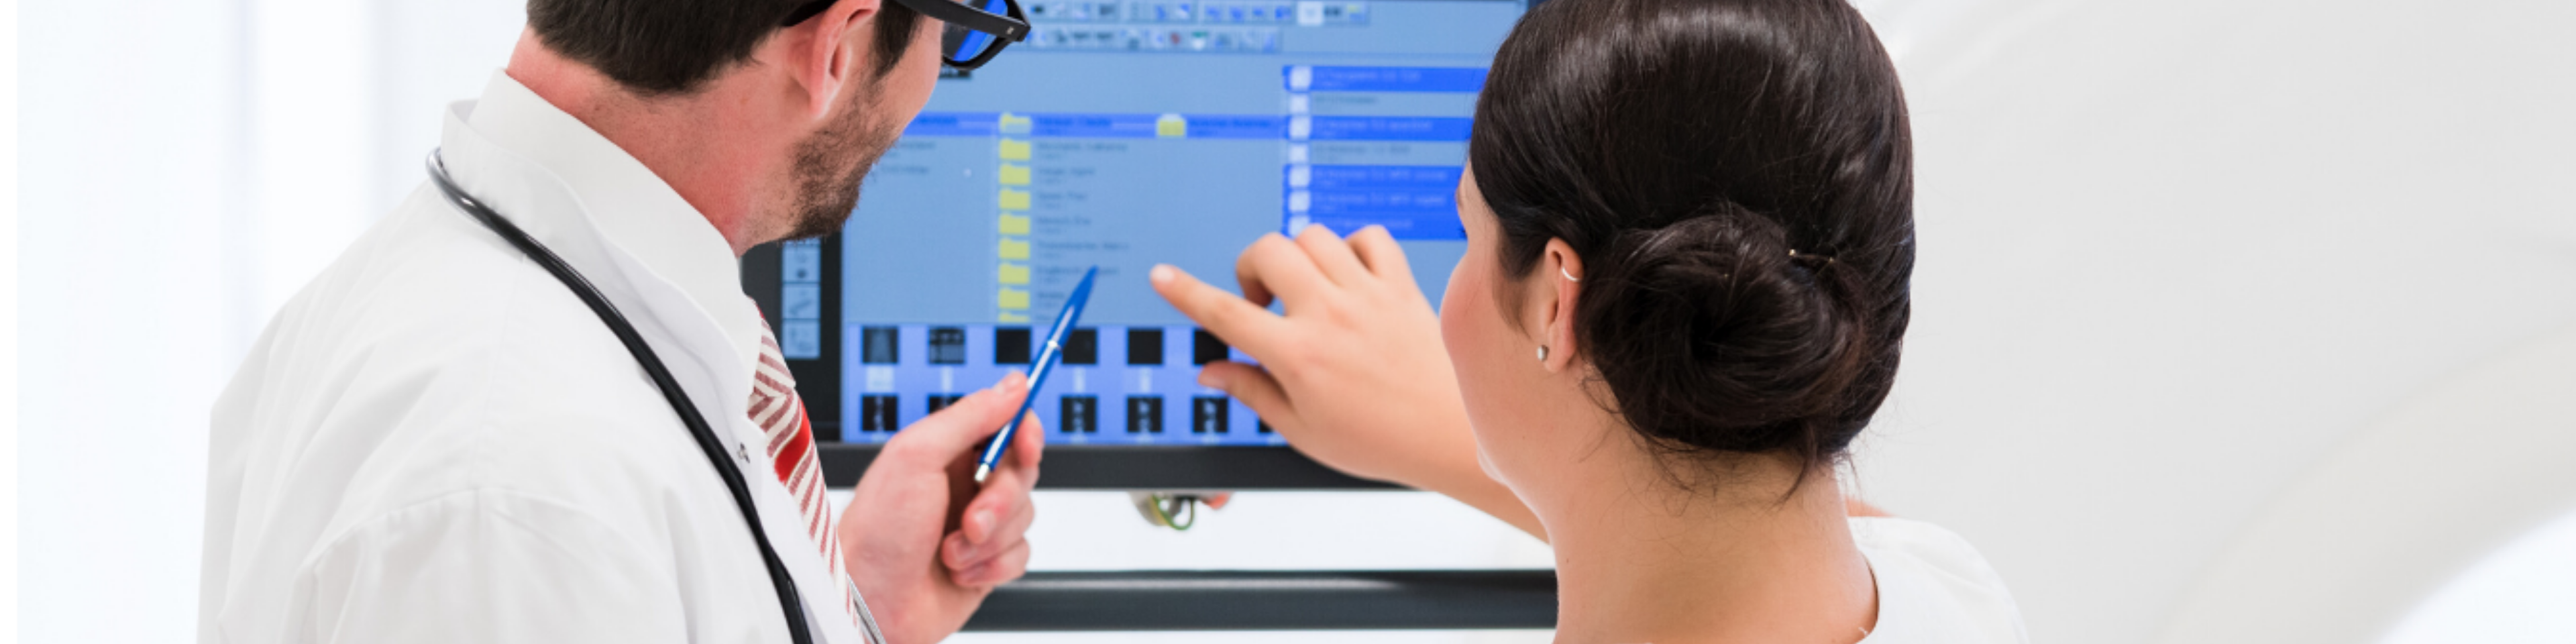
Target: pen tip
{"points": [[982, 471]]}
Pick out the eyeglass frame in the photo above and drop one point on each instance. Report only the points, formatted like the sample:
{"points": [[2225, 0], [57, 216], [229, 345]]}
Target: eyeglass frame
{"points": [[1005, 29]]}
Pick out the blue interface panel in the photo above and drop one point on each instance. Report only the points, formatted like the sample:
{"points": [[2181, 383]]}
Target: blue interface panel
{"points": [[1124, 134]]}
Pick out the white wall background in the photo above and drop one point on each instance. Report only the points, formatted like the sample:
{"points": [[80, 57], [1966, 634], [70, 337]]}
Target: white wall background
{"points": [[2185, 264], [2516, 596], [2177, 254]]}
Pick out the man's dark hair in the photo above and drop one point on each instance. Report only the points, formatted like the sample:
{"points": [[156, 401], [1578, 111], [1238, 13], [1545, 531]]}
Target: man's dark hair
{"points": [[1737, 176], [671, 47]]}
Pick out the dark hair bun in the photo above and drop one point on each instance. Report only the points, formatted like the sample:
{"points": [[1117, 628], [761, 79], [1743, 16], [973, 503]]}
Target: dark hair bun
{"points": [[1712, 335], [1737, 176]]}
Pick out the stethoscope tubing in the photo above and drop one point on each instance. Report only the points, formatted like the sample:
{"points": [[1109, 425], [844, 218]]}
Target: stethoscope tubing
{"points": [[788, 599]]}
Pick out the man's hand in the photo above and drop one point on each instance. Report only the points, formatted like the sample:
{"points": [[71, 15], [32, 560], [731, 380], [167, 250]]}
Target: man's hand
{"points": [[925, 544]]}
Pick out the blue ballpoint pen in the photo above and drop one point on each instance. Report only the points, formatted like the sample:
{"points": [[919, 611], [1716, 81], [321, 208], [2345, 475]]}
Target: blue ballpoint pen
{"points": [[1038, 372]]}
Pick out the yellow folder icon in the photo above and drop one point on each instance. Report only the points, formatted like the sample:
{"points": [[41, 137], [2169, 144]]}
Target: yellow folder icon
{"points": [[1014, 174], [1014, 249], [1013, 298], [1015, 150], [1014, 273], [1015, 199], [1171, 126], [1013, 318], [1014, 224], [1015, 124]]}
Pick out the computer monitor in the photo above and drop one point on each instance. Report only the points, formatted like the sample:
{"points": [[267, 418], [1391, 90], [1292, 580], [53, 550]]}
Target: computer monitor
{"points": [[1122, 134]]}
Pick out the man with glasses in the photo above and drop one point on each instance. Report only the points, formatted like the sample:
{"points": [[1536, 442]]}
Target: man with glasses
{"points": [[436, 441]]}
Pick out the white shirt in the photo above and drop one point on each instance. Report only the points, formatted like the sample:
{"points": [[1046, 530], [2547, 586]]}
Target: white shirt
{"points": [[435, 441], [1933, 588]]}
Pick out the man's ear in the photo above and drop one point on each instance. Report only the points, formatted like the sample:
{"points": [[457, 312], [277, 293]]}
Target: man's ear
{"points": [[827, 52], [1560, 275]]}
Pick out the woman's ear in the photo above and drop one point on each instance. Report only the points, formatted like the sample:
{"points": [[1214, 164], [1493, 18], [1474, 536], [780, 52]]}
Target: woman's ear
{"points": [[1560, 272]]}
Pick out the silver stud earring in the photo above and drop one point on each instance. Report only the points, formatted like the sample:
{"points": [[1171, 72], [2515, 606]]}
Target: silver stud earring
{"points": [[1542, 353]]}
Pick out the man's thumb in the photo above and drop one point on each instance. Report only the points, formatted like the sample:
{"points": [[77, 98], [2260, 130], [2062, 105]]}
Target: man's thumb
{"points": [[971, 419]]}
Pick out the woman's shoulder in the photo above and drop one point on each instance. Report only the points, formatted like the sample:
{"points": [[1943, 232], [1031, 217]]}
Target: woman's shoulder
{"points": [[1933, 587]]}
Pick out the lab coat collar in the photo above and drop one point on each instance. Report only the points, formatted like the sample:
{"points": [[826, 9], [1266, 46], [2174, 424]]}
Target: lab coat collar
{"points": [[660, 263]]}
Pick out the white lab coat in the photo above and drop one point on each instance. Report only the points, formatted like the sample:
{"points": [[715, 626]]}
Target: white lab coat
{"points": [[437, 442]]}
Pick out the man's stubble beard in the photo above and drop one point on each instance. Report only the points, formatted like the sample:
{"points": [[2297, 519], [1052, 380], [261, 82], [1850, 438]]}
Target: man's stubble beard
{"points": [[830, 166]]}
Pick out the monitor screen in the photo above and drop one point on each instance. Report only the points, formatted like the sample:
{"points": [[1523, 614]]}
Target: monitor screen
{"points": [[1120, 135]]}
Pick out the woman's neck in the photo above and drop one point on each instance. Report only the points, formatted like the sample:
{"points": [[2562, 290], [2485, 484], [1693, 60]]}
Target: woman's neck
{"points": [[1736, 563]]}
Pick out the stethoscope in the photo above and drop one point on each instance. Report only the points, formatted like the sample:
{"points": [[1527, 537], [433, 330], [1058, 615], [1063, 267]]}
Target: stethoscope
{"points": [[788, 599]]}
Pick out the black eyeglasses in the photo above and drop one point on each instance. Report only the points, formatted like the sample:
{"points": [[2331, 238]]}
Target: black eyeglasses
{"points": [[975, 29]]}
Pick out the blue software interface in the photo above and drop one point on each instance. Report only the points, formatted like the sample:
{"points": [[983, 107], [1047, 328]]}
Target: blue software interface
{"points": [[1123, 134]]}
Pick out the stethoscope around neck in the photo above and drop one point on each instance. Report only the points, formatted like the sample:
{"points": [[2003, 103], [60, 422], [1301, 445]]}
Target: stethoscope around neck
{"points": [[788, 599]]}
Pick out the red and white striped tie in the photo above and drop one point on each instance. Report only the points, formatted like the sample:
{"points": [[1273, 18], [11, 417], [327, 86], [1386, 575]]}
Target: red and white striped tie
{"points": [[781, 416]]}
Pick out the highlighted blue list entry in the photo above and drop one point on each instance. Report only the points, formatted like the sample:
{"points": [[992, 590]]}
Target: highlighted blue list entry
{"points": [[1099, 126], [1390, 128], [1384, 79], [1412, 202], [954, 124], [1372, 177], [1196, 126]]}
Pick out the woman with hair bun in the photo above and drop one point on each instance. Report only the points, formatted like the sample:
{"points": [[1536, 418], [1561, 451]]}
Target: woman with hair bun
{"points": [[1690, 238]]}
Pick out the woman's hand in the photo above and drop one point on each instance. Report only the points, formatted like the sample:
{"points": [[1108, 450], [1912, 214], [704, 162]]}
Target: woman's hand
{"points": [[923, 541], [1354, 374]]}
